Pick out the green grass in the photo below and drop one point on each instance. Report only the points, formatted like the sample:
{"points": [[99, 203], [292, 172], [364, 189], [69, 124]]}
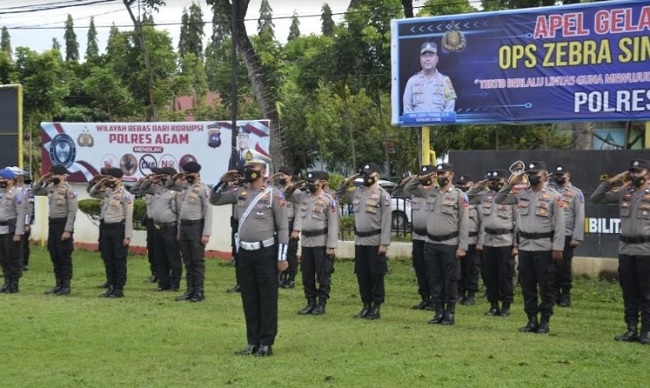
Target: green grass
{"points": [[148, 340]]}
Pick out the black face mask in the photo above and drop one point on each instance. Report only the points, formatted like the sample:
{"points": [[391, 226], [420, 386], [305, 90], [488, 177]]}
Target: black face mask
{"points": [[369, 180], [495, 186], [190, 179], [3, 185], [534, 179], [637, 181], [425, 183], [283, 181], [312, 187], [559, 179], [251, 175], [56, 181], [442, 182]]}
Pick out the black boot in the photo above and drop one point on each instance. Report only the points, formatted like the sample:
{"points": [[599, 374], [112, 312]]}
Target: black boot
{"points": [[56, 288], [543, 327], [320, 308], [5, 286], [311, 303], [282, 279], [107, 293], [118, 292], [630, 335], [505, 310], [494, 309], [236, 288], [531, 326], [374, 312], [65, 288], [470, 300], [423, 304], [440, 313], [289, 281], [450, 315], [190, 291], [564, 299], [643, 338], [363, 312], [198, 295], [13, 286]]}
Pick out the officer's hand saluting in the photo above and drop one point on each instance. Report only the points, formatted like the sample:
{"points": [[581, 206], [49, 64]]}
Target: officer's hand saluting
{"points": [[515, 178], [619, 177], [229, 176]]}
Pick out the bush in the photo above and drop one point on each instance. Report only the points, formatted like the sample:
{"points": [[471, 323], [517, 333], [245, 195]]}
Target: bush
{"points": [[92, 209]]}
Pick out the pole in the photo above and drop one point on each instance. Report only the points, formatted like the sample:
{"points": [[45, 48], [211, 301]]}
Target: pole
{"points": [[426, 156], [233, 81], [646, 142]]}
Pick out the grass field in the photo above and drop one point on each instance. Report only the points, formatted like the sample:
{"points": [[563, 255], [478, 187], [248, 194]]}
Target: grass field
{"points": [[149, 340]]}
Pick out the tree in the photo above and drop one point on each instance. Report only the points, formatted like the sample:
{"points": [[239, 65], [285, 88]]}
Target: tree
{"points": [[5, 42], [294, 29], [191, 37], [71, 44], [327, 23], [265, 24], [109, 96], [92, 49]]}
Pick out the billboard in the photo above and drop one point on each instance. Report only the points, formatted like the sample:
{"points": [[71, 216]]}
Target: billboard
{"points": [[583, 62], [10, 125], [84, 148]]}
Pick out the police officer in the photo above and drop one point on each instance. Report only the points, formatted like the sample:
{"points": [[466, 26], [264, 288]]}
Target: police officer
{"points": [[23, 183], [447, 239], [633, 199], [147, 222], [318, 222], [238, 182], [62, 200], [284, 179], [540, 223], [262, 239], [165, 206], [195, 229], [12, 226], [91, 184], [574, 216], [419, 233], [496, 242], [469, 265], [372, 226], [429, 90], [117, 204]]}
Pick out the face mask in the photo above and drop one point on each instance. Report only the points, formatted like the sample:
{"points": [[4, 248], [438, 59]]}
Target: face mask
{"points": [[312, 187], [559, 179], [495, 186], [369, 180], [56, 181], [3, 185], [190, 179], [426, 183], [464, 189], [251, 175], [442, 182], [534, 179], [283, 181], [637, 181]]}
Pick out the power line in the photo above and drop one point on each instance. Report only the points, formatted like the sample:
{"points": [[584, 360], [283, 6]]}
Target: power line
{"points": [[52, 6]]}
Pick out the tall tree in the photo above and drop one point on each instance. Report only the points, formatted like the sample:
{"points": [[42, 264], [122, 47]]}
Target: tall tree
{"points": [[5, 42], [265, 24], [92, 49], [191, 38], [294, 29], [327, 23], [71, 44]]}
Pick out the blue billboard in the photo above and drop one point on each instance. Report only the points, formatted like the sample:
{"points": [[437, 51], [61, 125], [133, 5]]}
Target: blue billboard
{"points": [[583, 62]]}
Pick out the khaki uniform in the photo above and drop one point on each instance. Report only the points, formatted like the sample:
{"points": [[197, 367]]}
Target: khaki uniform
{"points": [[287, 278], [148, 223], [429, 94], [12, 223]]}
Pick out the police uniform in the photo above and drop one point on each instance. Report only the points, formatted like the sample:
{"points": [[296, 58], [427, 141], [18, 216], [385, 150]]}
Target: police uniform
{"points": [[94, 190], [117, 208], [540, 225], [23, 183], [633, 249], [469, 265], [62, 200], [497, 239], [165, 208], [12, 226], [195, 222], [447, 232], [372, 226], [574, 216], [136, 189], [318, 222], [429, 93], [287, 278], [262, 240]]}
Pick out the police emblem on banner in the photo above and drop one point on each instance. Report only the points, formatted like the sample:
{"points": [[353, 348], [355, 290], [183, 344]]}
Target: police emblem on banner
{"points": [[454, 40], [214, 136], [62, 150], [85, 139]]}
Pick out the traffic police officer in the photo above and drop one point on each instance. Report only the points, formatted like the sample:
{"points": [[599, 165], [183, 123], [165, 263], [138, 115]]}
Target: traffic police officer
{"points": [[24, 183], [429, 90], [117, 204], [12, 227], [540, 224], [318, 222], [262, 239], [372, 226], [447, 239], [469, 265], [633, 199], [195, 230], [574, 216], [91, 184], [496, 241], [62, 200], [284, 179]]}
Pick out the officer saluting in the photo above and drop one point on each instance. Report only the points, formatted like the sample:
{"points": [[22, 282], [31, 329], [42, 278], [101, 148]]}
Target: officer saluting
{"points": [[469, 265], [633, 199], [12, 228], [540, 223], [62, 200], [262, 240], [117, 229]]}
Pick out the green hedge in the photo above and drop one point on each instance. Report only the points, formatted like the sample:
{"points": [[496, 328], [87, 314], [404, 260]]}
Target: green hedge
{"points": [[91, 207]]}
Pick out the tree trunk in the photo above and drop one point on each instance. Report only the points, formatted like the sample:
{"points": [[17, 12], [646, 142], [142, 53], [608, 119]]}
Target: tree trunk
{"points": [[408, 8], [582, 135]]}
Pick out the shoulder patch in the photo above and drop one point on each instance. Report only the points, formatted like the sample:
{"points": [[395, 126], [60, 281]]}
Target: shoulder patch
{"points": [[72, 194], [386, 200], [127, 197]]}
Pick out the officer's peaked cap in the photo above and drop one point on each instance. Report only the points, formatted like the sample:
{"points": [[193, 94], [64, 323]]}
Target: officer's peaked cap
{"points": [[370, 168], [314, 175], [6, 173], [427, 169], [286, 170], [444, 167], [496, 174], [115, 172], [429, 47], [191, 167], [58, 170], [560, 169], [640, 164], [535, 166], [463, 179], [168, 170]]}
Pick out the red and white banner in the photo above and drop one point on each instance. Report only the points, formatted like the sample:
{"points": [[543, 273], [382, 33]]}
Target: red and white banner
{"points": [[84, 148]]}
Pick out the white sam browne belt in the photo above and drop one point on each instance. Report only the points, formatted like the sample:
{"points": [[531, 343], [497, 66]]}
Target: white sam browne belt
{"points": [[254, 246]]}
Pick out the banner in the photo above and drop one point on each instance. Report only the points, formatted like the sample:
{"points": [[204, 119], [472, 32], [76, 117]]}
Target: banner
{"points": [[583, 62], [84, 148]]}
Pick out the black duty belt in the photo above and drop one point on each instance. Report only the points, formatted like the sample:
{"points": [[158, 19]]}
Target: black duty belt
{"points": [[8, 222], [191, 222], [497, 232], [536, 236], [421, 232], [635, 239], [444, 237], [314, 233], [113, 224], [58, 221], [473, 234], [165, 225], [367, 234]]}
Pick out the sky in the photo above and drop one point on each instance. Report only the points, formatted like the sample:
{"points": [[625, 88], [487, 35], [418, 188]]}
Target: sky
{"points": [[37, 29]]}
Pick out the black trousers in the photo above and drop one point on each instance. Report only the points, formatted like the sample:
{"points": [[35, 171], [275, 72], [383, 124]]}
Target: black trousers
{"points": [[114, 254], [469, 269], [292, 254], [27, 250], [370, 268], [60, 251], [419, 265], [563, 272], [151, 256], [316, 267], [168, 257], [257, 275], [443, 270], [634, 278], [11, 256], [499, 267], [193, 254], [537, 279]]}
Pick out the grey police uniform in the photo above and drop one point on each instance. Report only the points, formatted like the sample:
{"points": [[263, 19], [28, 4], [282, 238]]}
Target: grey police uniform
{"points": [[28, 194], [287, 278], [429, 93], [12, 223], [136, 189], [100, 192]]}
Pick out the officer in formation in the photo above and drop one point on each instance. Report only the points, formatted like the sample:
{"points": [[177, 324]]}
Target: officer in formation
{"points": [[419, 232], [262, 238], [147, 222], [540, 222], [317, 222], [62, 200], [284, 180], [633, 199], [195, 229], [117, 229], [429, 90], [497, 242], [447, 239], [372, 226], [238, 182], [91, 183], [469, 265], [12, 228], [24, 183], [574, 216]]}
